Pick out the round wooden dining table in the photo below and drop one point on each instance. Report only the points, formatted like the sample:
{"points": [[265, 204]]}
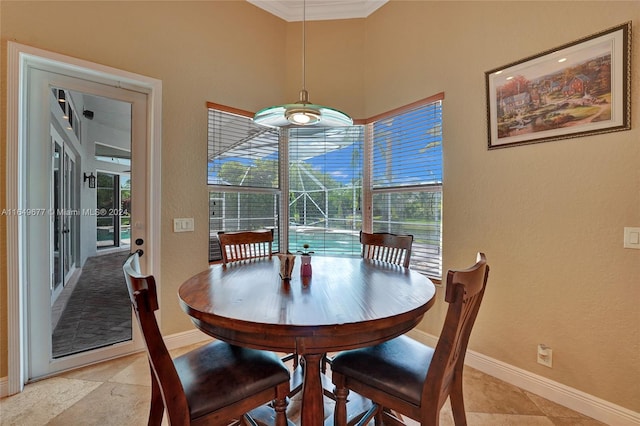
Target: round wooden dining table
{"points": [[346, 303]]}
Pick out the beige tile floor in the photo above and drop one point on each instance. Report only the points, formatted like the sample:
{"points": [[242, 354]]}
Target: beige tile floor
{"points": [[117, 393]]}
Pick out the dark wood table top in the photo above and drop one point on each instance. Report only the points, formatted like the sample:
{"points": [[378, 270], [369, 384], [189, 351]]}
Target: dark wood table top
{"points": [[346, 303]]}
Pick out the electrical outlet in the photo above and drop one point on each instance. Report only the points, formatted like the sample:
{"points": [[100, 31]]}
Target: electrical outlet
{"points": [[545, 355]]}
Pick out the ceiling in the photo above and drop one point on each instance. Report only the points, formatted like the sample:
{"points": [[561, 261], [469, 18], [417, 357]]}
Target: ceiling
{"points": [[318, 10]]}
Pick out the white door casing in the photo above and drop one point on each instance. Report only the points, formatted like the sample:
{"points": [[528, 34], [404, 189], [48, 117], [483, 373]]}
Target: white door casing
{"points": [[21, 235]]}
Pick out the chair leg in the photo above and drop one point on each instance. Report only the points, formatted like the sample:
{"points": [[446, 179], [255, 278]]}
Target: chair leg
{"points": [[157, 404], [280, 404], [341, 392], [457, 401], [379, 418]]}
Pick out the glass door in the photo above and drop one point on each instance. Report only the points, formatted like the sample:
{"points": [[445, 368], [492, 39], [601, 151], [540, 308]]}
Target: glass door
{"points": [[94, 320], [64, 215]]}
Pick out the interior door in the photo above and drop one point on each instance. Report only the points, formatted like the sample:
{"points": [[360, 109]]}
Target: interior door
{"points": [[77, 225]]}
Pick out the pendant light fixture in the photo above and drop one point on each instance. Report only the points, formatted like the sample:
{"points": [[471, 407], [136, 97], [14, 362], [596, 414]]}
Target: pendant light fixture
{"points": [[303, 112]]}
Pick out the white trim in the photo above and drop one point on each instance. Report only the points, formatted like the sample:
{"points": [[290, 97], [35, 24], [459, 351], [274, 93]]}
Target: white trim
{"points": [[21, 57], [566, 396], [319, 10], [173, 341], [15, 314], [185, 338], [4, 387]]}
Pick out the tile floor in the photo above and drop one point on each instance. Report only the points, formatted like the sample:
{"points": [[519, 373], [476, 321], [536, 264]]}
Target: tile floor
{"points": [[87, 316], [117, 393]]}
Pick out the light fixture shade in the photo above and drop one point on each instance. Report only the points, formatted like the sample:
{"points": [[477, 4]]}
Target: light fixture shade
{"points": [[284, 115], [303, 112]]}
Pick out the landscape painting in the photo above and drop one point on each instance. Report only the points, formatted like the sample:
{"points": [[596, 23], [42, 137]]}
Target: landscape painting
{"points": [[574, 90]]}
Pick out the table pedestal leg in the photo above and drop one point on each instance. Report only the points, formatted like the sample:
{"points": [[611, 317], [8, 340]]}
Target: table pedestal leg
{"points": [[312, 395]]}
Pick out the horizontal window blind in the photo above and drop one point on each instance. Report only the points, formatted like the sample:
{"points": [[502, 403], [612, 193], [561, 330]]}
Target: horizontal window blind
{"points": [[407, 181], [417, 213], [325, 181], [325, 186], [242, 171], [407, 148], [241, 153]]}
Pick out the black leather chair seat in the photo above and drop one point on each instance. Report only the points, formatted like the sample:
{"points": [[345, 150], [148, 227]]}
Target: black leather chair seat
{"points": [[238, 372], [398, 367]]}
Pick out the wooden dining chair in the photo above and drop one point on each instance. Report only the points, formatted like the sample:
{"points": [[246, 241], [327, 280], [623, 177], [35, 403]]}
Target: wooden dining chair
{"points": [[390, 248], [386, 247], [213, 384], [237, 246], [406, 377], [244, 245]]}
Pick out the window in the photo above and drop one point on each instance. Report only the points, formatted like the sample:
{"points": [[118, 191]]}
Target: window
{"points": [[322, 176], [325, 187], [406, 180], [243, 177]]}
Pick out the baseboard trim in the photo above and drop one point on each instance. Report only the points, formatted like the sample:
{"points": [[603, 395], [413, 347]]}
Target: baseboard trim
{"points": [[574, 399], [172, 341], [185, 338], [4, 386]]}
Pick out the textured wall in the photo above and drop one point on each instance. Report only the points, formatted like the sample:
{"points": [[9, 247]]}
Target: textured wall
{"points": [[549, 216]]}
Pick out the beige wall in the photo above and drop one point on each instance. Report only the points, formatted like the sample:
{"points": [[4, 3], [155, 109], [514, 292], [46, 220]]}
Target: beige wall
{"points": [[549, 216]]}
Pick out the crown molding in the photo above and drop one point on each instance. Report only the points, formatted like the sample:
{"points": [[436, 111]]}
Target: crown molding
{"points": [[319, 10]]}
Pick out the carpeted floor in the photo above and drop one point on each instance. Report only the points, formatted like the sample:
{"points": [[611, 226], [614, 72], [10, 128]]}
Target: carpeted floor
{"points": [[98, 312]]}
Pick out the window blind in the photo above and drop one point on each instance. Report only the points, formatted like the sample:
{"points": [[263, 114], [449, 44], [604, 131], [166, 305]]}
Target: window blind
{"points": [[408, 148], [241, 153], [325, 181], [407, 180], [242, 174]]}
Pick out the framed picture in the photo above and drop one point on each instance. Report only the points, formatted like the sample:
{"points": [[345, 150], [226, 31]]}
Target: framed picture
{"points": [[579, 89]]}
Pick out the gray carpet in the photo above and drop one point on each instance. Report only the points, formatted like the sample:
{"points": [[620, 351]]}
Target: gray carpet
{"points": [[98, 312]]}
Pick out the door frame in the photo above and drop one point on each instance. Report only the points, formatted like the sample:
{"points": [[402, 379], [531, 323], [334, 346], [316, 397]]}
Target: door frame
{"points": [[20, 59]]}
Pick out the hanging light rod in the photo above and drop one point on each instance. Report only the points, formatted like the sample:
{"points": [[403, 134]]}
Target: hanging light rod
{"points": [[303, 112]]}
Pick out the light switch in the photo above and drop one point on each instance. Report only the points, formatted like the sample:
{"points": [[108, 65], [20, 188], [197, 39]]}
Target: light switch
{"points": [[632, 238], [184, 224]]}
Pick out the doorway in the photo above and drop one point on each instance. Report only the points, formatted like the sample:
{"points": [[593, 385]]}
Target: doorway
{"points": [[113, 209], [91, 221], [33, 75]]}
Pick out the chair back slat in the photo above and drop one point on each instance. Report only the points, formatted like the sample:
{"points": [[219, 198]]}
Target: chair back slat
{"points": [[244, 245], [386, 247], [464, 292]]}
